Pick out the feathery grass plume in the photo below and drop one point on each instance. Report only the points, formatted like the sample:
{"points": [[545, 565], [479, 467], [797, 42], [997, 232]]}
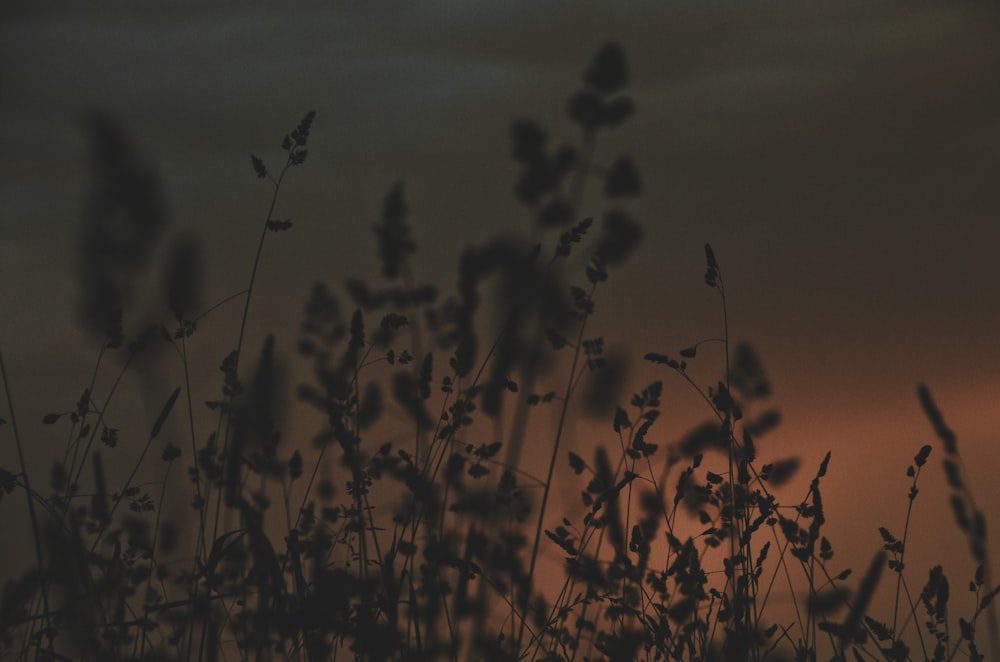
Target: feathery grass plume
{"points": [[763, 423], [184, 275], [943, 432], [621, 236], [968, 517], [705, 437], [780, 472], [747, 375], [123, 222], [295, 142], [540, 182], [395, 245], [254, 419], [608, 71], [851, 630], [598, 104], [712, 267], [161, 419]]}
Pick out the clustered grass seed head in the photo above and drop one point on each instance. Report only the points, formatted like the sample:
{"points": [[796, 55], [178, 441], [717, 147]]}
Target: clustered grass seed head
{"points": [[412, 528]]}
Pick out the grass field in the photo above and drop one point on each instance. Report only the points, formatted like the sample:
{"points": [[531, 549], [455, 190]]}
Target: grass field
{"points": [[428, 517]]}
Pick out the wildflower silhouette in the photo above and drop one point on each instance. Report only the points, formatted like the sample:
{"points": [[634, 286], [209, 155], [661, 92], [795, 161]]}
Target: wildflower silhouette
{"points": [[412, 527]]}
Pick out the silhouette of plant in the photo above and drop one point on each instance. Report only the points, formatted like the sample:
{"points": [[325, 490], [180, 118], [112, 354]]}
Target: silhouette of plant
{"points": [[411, 528]]}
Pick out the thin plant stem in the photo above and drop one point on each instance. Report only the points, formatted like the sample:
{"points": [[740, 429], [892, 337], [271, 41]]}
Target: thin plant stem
{"points": [[560, 428], [35, 531]]}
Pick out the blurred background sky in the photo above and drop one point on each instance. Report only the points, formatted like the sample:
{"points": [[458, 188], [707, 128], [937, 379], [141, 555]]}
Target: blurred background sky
{"points": [[841, 157]]}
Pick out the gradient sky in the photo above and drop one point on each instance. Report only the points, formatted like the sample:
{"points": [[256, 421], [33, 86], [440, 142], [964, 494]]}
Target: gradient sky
{"points": [[841, 157]]}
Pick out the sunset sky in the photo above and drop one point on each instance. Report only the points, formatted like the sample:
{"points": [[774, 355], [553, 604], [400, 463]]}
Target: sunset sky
{"points": [[841, 157]]}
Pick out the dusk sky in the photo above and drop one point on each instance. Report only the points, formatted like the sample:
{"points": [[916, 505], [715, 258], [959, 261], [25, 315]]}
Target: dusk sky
{"points": [[841, 157]]}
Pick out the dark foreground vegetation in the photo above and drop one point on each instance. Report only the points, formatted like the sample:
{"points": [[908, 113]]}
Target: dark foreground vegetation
{"points": [[413, 528]]}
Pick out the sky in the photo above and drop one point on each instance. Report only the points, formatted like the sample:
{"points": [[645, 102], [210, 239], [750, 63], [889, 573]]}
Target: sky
{"points": [[840, 157]]}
